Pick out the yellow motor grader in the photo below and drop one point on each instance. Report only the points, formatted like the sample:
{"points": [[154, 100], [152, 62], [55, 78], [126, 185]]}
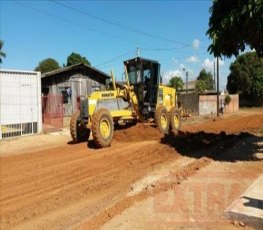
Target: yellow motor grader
{"points": [[142, 98]]}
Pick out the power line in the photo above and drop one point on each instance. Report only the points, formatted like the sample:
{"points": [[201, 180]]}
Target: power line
{"points": [[74, 23], [183, 45], [117, 24], [165, 49], [115, 58]]}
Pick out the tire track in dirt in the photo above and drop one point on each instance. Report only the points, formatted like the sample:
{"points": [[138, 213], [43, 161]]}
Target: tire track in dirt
{"points": [[61, 185], [170, 182]]}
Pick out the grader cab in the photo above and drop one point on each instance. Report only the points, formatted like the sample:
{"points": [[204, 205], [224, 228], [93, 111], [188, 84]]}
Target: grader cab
{"points": [[141, 98]]}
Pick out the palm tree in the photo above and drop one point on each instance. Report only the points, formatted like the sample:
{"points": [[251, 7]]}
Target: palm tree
{"points": [[2, 54]]}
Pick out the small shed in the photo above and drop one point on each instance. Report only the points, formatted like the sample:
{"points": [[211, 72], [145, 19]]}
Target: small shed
{"points": [[20, 103], [71, 83]]}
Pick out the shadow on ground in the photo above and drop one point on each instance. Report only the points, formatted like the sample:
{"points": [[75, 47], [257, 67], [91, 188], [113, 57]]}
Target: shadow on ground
{"points": [[71, 142], [221, 147], [118, 126]]}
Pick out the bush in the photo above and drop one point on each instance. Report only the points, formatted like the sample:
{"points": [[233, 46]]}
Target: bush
{"points": [[227, 99]]}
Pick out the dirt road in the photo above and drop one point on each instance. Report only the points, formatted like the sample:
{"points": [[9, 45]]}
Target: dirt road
{"points": [[77, 186]]}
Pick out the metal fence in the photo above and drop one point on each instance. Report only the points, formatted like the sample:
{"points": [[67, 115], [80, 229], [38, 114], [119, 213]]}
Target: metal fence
{"points": [[52, 112], [20, 103]]}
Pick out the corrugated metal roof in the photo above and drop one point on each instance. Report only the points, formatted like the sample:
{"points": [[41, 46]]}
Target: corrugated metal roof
{"points": [[73, 67]]}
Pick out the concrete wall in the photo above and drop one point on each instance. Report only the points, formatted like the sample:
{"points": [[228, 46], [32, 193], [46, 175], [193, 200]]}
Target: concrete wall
{"points": [[208, 106], [234, 104]]}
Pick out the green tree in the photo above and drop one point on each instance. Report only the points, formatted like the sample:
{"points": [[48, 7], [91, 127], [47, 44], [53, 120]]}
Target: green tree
{"points": [[47, 65], [75, 58], [177, 83], [207, 77], [233, 25], [246, 76], [200, 86], [2, 54], [257, 84]]}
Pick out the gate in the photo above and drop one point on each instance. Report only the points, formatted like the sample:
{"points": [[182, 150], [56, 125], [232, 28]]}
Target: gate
{"points": [[20, 103], [52, 112]]}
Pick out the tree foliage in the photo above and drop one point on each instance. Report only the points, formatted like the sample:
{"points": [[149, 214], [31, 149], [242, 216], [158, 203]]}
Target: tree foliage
{"points": [[246, 76], [204, 81], [233, 25], [177, 83], [75, 58], [47, 65], [227, 99], [2, 54], [200, 86]]}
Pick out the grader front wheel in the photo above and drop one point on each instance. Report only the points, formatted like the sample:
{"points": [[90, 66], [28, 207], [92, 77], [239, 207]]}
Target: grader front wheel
{"points": [[162, 119], [102, 128], [78, 132]]}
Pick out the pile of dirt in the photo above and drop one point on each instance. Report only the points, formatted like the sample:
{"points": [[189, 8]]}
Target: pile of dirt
{"points": [[138, 132]]}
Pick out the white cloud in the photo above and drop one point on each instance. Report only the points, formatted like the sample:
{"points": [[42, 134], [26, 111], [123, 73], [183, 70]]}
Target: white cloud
{"points": [[196, 44], [182, 66], [208, 64], [192, 59], [169, 74]]}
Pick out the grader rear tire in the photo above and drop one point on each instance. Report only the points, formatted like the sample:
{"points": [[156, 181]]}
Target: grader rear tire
{"points": [[162, 119], [77, 131], [102, 128], [175, 119]]}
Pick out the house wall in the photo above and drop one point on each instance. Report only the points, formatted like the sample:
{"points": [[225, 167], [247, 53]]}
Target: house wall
{"points": [[80, 83]]}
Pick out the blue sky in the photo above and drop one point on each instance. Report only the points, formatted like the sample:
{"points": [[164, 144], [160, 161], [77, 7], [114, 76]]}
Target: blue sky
{"points": [[109, 32]]}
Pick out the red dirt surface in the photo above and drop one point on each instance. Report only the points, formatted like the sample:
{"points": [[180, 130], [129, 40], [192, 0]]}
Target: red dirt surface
{"points": [[77, 186], [61, 186], [233, 124], [139, 132]]}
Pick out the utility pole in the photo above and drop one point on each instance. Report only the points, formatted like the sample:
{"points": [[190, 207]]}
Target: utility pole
{"points": [[186, 81], [138, 52], [217, 86], [214, 74]]}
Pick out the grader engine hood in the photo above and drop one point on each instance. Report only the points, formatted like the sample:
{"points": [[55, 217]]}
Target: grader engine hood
{"points": [[110, 100]]}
